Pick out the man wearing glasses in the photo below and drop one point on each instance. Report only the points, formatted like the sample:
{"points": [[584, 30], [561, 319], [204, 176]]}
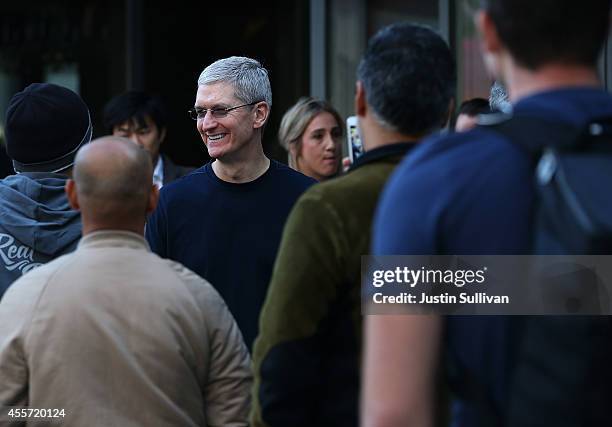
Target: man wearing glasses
{"points": [[225, 220]]}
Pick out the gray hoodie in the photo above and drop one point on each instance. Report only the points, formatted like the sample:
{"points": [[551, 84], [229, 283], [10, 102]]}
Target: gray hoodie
{"points": [[36, 223]]}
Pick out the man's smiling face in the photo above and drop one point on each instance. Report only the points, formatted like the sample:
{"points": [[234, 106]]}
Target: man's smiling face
{"points": [[229, 135]]}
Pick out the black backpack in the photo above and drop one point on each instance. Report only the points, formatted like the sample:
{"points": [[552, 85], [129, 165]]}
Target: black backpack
{"points": [[573, 181], [562, 365]]}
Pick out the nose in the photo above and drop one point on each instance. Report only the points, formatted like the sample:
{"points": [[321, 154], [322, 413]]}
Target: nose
{"points": [[207, 123], [329, 143], [134, 137]]}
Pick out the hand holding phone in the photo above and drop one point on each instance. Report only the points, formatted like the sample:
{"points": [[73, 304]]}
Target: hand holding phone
{"points": [[353, 136]]}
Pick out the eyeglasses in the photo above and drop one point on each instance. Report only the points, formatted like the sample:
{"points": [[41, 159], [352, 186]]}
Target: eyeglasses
{"points": [[217, 113]]}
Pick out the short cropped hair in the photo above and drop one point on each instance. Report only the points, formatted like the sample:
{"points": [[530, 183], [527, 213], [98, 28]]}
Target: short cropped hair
{"points": [[134, 105], [473, 107], [296, 120], [408, 74], [247, 76], [121, 187], [540, 32]]}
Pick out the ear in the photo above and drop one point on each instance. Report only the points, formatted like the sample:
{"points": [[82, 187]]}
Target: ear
{"points": [[293, 148], [71, 193], [488, 32], [361, 105], [262, 110], [162, 135], [153, 198]]}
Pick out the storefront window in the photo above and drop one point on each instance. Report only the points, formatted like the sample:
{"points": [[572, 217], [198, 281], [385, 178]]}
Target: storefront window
{"points": [[472, 77]]}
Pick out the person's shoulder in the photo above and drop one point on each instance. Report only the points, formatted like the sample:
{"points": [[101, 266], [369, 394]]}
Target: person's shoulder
{"points": [[199, 288], [43, 271], [193, 178], [446, 168], [174, 170], [290, 176], [334, 188], [330, 200], [32, 284], [475, 141], [455, 153]]}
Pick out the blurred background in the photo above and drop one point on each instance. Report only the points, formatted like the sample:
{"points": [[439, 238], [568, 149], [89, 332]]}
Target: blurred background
{"points": [[311, 47]]}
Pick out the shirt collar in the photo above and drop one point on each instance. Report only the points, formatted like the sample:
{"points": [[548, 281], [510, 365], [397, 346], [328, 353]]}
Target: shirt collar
{"points": [[158, 173], [387, 150], [113, 238]]}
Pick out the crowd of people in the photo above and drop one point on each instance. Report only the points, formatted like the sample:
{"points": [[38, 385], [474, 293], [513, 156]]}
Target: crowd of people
{"points": [[137, 292]]}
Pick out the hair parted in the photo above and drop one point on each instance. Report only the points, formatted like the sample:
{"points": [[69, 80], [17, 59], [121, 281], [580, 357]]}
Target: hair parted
{"points": [[540, 32], [248, 77], [296, 120], [408, 74]]}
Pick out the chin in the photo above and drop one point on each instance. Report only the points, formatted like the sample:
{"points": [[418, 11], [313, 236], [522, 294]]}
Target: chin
{"points": [[326, 175], [328, 172], [214, 154]]}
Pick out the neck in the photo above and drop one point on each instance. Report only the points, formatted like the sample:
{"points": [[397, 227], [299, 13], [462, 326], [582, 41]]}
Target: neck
{"points": [[522, 82], [242, 168], [89, 226], [375, 135]]}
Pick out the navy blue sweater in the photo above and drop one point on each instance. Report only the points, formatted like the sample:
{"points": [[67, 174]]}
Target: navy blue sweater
{"points": [[472, 193], [227, 233]]}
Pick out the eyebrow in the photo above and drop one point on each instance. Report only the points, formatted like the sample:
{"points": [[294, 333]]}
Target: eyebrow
{"points": [[324, 129], [214, 107], [131, 128]]}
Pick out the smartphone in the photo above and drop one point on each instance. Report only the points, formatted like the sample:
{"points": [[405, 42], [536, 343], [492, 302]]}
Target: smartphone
{"points": [[353, 136]]}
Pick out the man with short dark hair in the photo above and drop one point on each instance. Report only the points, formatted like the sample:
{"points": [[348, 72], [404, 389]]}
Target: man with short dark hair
{"points": [[469, 110], [306, 358], [112, 334], [44, 127], [141, 117], [473, 193], [224, 221]]}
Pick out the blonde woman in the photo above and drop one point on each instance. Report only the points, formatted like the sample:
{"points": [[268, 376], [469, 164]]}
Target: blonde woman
{"points": [[311, 132]]}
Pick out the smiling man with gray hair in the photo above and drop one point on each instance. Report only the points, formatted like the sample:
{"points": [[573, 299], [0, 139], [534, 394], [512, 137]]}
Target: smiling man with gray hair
{"points": [[113, 334], [224, 221]]}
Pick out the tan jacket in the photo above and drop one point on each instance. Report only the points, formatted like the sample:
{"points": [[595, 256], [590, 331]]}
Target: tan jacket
{"points": [[117, 336]]}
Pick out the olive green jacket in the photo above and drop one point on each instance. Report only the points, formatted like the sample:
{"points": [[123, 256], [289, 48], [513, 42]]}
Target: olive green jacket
{"points": [[306, 357]]}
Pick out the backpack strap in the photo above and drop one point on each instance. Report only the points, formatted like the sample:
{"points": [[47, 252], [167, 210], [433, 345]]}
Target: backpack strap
{"points": [[534, 134]]}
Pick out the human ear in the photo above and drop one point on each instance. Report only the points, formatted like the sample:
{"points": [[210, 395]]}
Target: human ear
{"points": [[71, 193], [361, 105], [153, 199], [262, 110]]}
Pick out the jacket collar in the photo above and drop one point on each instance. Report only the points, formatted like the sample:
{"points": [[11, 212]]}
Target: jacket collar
{"points": [[113, 238], [387, 150]]}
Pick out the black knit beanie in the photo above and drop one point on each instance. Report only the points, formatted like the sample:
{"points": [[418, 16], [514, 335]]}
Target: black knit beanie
{"points": [[45, 126]]}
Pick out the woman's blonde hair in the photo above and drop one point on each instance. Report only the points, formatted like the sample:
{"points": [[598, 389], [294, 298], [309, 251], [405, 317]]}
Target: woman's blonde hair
{"points": [[296, 120]]}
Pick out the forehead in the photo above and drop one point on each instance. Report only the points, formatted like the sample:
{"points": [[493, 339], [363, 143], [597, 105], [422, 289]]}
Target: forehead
{"points": [[323, 120], [220, 93]]}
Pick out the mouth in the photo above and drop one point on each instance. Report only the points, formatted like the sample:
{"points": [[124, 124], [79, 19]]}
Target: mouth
{"points": [[330, 159], [215, 137]]}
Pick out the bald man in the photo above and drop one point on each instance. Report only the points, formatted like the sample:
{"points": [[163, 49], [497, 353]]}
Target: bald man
{"points": [[112, 334]]}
